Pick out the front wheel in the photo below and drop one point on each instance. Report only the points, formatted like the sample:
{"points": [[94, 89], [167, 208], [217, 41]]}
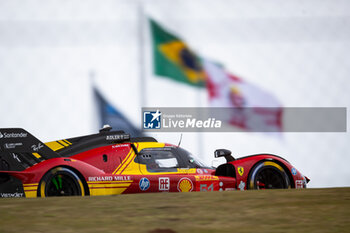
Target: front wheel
{"points": [[268, 175], [61, 181]]}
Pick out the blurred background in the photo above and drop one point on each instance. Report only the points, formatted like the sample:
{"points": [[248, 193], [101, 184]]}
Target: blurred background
{"points": [[53, 52]]}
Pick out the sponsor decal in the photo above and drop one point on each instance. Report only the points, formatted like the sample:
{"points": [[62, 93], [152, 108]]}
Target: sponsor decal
{"points": [[4, 195], [192, 123], [109, 178], [12, 145], [120, 145], [241, 185], [156, 120], [122, 178], [205, 171], [206, 178], [101, 178], [16, 157], [205, 187], [164, 183], [152, 119], [186, 170], [294, 171], [185, 185], [199, 171], [13, 135], [240, 171], [299, 184], [182, 170], [37, 147], [117, 137], [144, 184]]}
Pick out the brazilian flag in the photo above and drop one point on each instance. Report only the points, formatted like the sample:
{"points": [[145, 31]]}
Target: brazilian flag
{"points": [[173, 59]]}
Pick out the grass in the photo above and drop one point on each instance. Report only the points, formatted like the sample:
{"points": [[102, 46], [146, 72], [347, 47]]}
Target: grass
{"points": [[310, 210]]}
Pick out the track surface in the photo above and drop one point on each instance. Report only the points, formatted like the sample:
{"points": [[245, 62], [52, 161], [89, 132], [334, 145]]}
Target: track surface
{"points": [[310, 210]]}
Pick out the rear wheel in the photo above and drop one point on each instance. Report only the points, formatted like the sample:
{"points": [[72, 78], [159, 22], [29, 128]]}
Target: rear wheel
{"points": [[61, 181], [268, 175]]}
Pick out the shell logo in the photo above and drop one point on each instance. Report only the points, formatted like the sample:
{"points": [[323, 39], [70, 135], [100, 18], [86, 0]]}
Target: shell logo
{"points": [[185, 185]]}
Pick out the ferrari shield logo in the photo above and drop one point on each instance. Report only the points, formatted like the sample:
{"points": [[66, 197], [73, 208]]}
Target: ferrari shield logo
{"points": [[240, 171]]}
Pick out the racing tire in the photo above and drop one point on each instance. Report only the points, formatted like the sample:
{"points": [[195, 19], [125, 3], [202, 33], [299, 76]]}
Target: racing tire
{"points": [[268, 175], [61, 181]]}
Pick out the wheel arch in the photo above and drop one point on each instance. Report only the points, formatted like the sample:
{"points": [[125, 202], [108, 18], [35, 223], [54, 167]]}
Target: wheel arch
{"points": [[82, 178], [77, 172], [285, 168]]}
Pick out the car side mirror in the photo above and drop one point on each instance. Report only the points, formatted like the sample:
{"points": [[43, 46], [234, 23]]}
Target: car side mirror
{"points": [[224, 153]]}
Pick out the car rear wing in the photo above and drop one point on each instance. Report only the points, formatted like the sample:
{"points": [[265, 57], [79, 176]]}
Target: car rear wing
{"points": [[19, 150]]}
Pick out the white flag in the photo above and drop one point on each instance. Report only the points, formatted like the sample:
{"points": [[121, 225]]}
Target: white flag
{"points": [[254, 108]]}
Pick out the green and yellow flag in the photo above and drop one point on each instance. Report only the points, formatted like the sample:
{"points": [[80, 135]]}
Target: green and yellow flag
{"points": [[173, 59]]}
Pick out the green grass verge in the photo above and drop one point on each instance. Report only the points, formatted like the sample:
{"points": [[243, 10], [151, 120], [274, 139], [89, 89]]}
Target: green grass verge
{"points": [[310, 210]]}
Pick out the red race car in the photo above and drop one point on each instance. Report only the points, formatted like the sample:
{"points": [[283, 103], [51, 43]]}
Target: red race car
{"points": [[111, 162]]}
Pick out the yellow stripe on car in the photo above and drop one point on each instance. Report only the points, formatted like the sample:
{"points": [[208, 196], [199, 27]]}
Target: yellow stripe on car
{"points": [[63, 142], [68, 142], [30, 190], [108, 188], [33, 184], [57, 145], [123, 163], [109, 185], [54, 145], [112, 182], [36, 155], [104, 191]]}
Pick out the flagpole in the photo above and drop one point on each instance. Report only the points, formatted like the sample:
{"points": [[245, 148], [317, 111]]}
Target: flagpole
{"points": [[96, 115], [200, 133], [142, 86]]}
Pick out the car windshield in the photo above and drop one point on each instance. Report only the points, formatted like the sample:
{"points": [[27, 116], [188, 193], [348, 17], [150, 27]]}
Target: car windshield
{"points": [[194, 160]]}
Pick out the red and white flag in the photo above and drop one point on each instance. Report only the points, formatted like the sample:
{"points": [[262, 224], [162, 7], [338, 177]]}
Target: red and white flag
{"points": [[254, 108]]}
